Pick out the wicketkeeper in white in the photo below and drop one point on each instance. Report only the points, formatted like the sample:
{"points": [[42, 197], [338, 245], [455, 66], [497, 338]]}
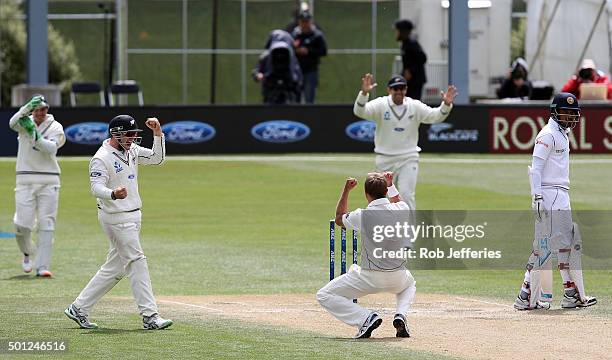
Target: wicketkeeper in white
{"points": [[555, 231], [113, 174], [397, 119], [38, 182], [374, 275]]}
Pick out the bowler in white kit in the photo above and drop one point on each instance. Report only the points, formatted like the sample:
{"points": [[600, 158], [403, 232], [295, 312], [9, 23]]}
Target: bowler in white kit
{"points": [[113, 175], [375, 275], [397, 119], [38, 182]]}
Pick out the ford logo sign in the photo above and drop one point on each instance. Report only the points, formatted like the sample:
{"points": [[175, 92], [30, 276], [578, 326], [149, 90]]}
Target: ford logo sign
{"points": [[361, 131], [87, 133], [188, 132], [280, 131]]}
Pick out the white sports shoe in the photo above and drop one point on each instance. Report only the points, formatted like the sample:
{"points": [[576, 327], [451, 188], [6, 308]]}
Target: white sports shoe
{"points": [[521, 304], [372, 322], [73, 313], [155, 322], [571, 302], [26, 265]]}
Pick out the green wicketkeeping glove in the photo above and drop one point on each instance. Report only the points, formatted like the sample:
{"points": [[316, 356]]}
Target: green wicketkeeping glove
{"points": [[29, 127], [34, 103]]}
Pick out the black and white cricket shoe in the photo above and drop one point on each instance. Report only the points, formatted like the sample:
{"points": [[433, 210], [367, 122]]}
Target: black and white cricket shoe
{"points": [[80, 318], [155, 322], [523, 304], [399, 323], [372, 322], [571, 302]]}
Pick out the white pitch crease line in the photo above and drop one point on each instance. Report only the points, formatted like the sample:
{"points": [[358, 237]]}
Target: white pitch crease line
{"points": [[190, 305], [484, 302]]}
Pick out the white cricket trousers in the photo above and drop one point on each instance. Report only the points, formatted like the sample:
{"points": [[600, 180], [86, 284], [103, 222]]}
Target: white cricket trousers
{"points": [[405, 172], [36, 204], [337, 296], [125, 257]]}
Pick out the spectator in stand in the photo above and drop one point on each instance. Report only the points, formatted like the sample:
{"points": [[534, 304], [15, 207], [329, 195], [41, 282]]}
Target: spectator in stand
{"points": [[588, 73], [310, 46], [516, 84], [413, 59]]}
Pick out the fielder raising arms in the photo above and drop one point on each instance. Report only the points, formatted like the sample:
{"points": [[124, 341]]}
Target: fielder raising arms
{"points": [[397, 120], [113, 174]]}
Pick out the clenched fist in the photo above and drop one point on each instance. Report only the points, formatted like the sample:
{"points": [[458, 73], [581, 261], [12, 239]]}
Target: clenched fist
{"points": [[350, 184], [389, 177], [153, 124], [120, 192]]}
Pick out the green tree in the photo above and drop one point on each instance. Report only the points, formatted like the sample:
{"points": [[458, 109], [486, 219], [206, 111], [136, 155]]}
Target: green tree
{"points": [[63, 63]]}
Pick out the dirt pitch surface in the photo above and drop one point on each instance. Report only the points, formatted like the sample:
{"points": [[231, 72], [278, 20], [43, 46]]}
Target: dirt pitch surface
{"points": [[463, 327]]}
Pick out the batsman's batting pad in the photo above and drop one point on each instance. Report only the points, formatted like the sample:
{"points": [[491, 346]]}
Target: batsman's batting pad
{"points": [[575, 262], [539, 265]]}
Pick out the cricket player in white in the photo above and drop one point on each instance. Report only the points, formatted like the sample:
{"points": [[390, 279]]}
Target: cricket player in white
{"points": [[113, 174], [397, 119], [38, 182], [374, 276], [554, 230]]}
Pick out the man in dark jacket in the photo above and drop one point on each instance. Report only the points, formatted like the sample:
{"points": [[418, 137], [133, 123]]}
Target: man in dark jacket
{"points": [[278, 70], [310, 46], [413, 59], [516, 84]]}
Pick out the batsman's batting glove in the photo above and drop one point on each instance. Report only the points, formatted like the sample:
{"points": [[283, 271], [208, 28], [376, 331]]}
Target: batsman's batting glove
{"points": [[538, 207], [29, 127], [34, 103]]}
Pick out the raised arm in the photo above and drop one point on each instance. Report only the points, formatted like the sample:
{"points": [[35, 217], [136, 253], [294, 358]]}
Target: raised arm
{"points": [[21, 120], [392, 193], [157, 154], [429, 115], [363, 108], [342, 207]]}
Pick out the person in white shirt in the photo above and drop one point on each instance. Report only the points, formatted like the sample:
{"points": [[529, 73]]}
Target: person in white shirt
{"points": [[376, 274], [397, 119], [555, 232], [38, 182], [113, 174]]}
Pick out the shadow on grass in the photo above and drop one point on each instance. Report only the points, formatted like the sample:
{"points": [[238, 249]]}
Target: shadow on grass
{"points": [[109, 331], [25, 277]]}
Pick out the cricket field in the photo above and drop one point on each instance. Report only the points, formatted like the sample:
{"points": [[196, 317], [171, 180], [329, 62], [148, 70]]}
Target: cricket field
{"points": [[238, 246]]}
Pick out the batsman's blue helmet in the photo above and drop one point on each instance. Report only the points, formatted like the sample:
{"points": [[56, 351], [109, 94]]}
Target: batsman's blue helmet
{"points": [[565, 101]]}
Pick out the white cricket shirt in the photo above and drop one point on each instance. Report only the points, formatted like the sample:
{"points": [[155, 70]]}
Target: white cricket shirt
{"points": [[111, 168], [397, 126], [37, 161], [552, 145]]}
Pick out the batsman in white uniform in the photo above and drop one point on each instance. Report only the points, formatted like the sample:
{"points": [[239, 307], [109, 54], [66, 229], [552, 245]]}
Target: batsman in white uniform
{"points": [[374, 275], [555, 232], [38, 182], [113, 174], [397, 119]]}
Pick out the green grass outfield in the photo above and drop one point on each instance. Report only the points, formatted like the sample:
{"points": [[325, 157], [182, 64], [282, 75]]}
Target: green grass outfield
{"points": [[252, 225]]}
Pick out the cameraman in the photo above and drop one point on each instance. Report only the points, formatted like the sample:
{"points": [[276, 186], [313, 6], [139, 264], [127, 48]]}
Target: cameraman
{"points": [[588, 73]]}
